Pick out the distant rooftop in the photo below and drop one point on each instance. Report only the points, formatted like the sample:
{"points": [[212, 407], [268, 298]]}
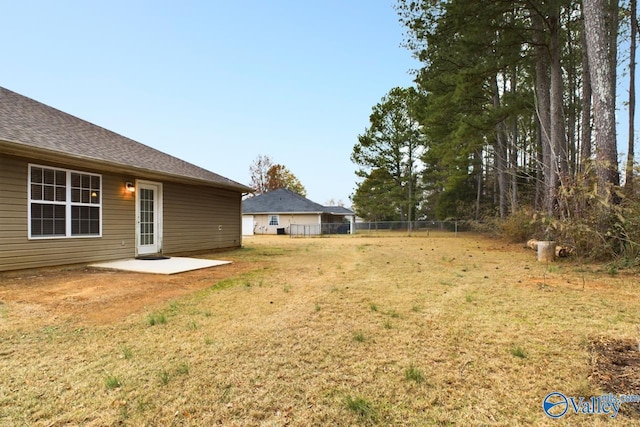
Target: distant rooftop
{"points": [[287, 201]]}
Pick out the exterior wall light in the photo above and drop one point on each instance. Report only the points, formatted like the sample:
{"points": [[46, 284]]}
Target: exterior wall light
{"points": [[130, 187]]}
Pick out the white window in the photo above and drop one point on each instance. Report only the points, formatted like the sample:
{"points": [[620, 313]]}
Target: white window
{"points": [[274, 220], [64, 203]]}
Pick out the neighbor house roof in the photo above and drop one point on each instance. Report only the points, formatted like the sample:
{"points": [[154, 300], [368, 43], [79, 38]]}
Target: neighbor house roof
{"points": [[287, 201], [338, 210], [28, 127]]}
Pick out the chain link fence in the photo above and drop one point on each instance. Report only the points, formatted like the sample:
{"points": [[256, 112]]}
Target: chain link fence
{"points": [[381, 228]]}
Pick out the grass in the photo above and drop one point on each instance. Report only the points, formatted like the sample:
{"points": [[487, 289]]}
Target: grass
{"points": [[193, 325], [413, 374], [183, 369], [164, 377], [111, 382], [394, 314], [517, 351], [359, 336], [236, 355], [156, 319], [126, 352], [361, 407]]}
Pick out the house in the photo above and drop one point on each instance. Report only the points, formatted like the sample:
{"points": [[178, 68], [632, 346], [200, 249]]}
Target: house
{"points": [[283, 211], [73, 192]]}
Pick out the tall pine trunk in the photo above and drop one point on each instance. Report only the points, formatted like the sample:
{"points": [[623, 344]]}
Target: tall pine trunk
{"points": [[632, 99], [585, 134], [543, 110], [599, 51], [513, 152], [500, 155], [558, 135], [477, 158]]}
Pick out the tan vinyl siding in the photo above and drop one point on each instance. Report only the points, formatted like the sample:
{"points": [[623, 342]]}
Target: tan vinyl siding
{"points": [[196, 219], [199, 218], [285, 220], [18, 252]]}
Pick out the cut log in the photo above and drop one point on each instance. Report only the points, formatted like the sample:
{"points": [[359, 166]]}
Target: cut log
{"points": [[561, 251], [546, 251]]}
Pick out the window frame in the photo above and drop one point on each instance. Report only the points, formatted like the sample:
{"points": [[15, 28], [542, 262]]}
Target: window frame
{"points": [[277, 220], [67, 203]]}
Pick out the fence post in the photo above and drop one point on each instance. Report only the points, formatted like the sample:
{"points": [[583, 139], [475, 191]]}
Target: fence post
{"points": [[456, 228]]}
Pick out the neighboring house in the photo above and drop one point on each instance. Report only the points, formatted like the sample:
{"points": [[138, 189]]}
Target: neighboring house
{"points": [[284, 211], [73, 192]]}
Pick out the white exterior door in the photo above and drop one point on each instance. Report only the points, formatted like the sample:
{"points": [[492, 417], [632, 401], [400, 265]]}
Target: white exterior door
{"points": [[148, 218], [247, 225]]}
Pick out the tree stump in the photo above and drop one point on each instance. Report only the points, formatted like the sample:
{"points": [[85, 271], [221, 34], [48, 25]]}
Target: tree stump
{"points": [[546, 251]]}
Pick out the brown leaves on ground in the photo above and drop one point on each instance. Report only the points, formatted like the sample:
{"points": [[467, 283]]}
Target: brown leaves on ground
{"points": [[616, 368]]}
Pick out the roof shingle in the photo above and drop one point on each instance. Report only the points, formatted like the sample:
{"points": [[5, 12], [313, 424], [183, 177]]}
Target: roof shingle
{"points": [[29, 123]]}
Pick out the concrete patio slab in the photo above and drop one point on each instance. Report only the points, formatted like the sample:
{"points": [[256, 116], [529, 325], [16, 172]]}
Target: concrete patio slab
{"points": [[171, 265]]}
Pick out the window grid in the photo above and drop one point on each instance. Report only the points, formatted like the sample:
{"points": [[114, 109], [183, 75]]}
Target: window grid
{"points": [[147, 221], [64, 203], [274, 220]]}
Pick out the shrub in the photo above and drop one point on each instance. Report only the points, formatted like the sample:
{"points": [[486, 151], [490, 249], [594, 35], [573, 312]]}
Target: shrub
{"points": [[520, 226]]}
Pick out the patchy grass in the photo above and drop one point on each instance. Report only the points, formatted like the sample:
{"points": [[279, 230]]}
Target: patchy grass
{"points": [[517, 351], [304, 344], [414, 374], [359, 336], [156, 319], [164, 377], [126, 352], [361, 407], [111, 381]]}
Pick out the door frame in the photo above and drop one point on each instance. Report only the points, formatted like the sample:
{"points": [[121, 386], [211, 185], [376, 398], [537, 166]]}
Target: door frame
{"points": [[158, 217]]}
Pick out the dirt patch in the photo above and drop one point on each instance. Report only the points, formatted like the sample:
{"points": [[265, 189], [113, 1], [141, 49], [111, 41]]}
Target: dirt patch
{"points": [[616, 369], [96, 296]]}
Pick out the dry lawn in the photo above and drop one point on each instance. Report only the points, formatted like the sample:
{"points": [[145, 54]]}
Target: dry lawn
{"points": [[348, 330]]}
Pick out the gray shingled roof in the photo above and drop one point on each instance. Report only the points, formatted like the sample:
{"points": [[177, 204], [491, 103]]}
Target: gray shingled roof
{"points": [[338, 210], [26, 123], [286, 201]]}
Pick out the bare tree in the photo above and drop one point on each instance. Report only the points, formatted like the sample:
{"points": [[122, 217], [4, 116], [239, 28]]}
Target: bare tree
{"points": [[334, 202], [259, 173]]}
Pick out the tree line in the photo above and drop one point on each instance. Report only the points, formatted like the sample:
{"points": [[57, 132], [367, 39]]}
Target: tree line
{"points": [[513, 107]]}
